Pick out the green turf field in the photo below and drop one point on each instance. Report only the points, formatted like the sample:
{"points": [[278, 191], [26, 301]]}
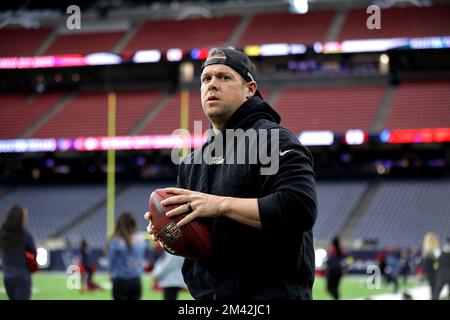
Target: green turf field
{"points": [[53, 286]]}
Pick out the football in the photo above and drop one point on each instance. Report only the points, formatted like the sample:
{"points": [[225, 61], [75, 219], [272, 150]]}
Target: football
{"points": [[193, 241]]}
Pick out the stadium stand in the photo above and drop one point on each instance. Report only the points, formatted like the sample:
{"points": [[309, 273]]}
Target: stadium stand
{"points": [[168, 118], [420, 105], [398, 22], [415, 105], [26, 41], [197, 33], [86, 114], [85, 43], [18, 111], [336, 201], [287, 28], [333, 108], [401, 212], [53, 207]]}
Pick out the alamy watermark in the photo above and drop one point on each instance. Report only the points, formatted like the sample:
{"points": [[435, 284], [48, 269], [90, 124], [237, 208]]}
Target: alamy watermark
{"points": [[73, 21], [73, 281], [374, 280], [373, 22]]}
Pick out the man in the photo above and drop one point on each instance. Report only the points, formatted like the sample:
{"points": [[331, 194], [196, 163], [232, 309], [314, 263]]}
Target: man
{"points": [[262, 220]]}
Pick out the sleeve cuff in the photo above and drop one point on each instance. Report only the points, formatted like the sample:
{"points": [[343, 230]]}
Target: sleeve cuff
{"points": [[269, 213]]}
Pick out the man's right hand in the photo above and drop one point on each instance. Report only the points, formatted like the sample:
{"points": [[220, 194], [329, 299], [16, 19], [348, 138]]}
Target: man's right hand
{"points": [[151, 231]]}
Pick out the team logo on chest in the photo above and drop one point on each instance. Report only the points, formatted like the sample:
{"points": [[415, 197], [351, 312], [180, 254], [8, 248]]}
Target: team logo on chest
{"points": [[215, 160]]}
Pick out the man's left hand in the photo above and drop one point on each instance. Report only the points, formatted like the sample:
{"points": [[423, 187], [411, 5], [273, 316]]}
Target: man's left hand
{"points": [[202, 204]]}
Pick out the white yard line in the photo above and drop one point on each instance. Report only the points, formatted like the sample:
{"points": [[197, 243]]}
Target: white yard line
{"points": [[417, 293]]}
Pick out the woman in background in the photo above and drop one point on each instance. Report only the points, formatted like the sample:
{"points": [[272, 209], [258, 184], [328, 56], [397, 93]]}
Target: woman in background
{"points": [[15, 243], [430, 253], [126, 256]]}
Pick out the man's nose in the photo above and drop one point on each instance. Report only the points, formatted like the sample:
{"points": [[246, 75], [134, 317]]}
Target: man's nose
{"points": [[213, 84]]}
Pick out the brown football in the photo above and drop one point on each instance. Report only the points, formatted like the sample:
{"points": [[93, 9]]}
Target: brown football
{"points": [[193, 241]]}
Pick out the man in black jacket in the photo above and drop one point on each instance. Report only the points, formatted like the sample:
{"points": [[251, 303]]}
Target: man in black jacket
{"points": [[259, 194]]}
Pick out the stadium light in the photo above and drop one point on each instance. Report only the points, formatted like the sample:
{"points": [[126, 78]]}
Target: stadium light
{"points": [[355, 137], [274, 49], [430, 43], [174, 54], [150, 142], [385, 135], [252, 51], [317, 138], [199, 54], [384, 63], [75, 77], [102, 58], [147, 56], [318, 47], [384, 58], [27, 145], [298, 48], [298, 6], [187, 71]]}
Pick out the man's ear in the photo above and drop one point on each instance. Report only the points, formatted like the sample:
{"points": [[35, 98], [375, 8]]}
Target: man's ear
{"points": [[251, 89]]}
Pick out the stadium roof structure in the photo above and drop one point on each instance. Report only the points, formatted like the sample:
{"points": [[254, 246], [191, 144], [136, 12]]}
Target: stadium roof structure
{"points": [[35, 14]]}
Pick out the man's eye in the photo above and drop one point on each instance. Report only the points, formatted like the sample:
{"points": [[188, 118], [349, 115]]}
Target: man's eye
{"points": [[205, 79], [225, 78]]}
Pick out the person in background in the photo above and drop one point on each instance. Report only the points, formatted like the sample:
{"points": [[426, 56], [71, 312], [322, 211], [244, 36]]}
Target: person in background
{"points": [[167, 274], [430, 252], [443, 271], [405, 256], [335, 268], [15, 243], [88, 268], [416, 261], [381, 258], [394, 266], [126, 251], [154, 253]]}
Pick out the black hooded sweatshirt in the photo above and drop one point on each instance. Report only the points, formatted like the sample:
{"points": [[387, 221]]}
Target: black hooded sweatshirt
{"points": [[275, 262]]}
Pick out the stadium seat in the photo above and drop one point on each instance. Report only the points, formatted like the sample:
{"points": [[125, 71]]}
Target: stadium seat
{"points": [[398, 23], [86, 114]]}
